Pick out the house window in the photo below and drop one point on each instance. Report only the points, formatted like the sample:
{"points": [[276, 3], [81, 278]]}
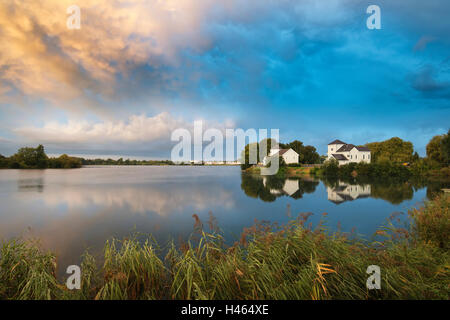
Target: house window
{"points": [[363, 156], [356, 156]]}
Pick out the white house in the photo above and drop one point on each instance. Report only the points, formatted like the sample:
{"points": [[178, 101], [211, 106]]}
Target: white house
{"points": [[346, 153], [289, 156]]}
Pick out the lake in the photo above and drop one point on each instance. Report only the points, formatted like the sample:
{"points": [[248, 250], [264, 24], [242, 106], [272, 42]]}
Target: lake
{"points": [[71, 210]]}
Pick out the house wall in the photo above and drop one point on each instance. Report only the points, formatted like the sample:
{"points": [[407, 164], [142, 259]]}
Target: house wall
{"points": [[332, 148], [353, 155], [290, 156], [358, 156]]}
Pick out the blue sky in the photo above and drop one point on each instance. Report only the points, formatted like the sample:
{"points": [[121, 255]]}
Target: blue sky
{"points": [[136, 71]]}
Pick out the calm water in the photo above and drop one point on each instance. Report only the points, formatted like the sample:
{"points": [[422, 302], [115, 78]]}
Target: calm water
{"points": [[71, 210]]}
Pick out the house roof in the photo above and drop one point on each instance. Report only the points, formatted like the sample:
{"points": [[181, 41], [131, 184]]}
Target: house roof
{"points": [[339, 157], [346, 147], [283, 151], [337, 142]]}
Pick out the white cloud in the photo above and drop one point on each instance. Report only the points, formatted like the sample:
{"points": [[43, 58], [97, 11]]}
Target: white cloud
{"points": [[139, 132], [138, 128]]}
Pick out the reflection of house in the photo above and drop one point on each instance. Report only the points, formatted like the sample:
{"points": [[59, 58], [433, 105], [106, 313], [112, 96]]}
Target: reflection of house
{"points": [[347, 153], [289, 156], [346, 192], [289, 188]]}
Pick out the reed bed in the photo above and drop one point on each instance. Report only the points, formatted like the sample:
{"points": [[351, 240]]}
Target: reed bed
{"points": [[269, 262]]}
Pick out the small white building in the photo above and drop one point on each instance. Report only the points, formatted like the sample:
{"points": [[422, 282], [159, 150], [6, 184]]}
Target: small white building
{"points": [[346, 153], [289, 156]]}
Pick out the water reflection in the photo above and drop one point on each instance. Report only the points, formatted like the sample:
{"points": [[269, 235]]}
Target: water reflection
{"points": [[269, 188], [34, 184], [347, 192]]}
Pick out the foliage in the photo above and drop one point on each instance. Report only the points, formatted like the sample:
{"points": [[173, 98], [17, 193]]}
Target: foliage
{"points": [[65, 162], [438, 149], [432, 221], [394, 150], [307, 154], [380, 169], [35, 158], [250, 155], [29, 158]]}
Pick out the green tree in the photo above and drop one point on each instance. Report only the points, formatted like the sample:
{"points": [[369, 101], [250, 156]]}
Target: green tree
{"points": [[434, 149], [392, 150], [310, 155], [445, 148], [307, 154], [30, 158], [246, 160], [298, 147]]}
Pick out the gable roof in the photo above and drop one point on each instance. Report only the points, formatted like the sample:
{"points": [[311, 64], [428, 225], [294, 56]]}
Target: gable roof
{"points": [[363, 149], [337, 142], [339, 157], [283, 151], [349, 147], [346, 147]]}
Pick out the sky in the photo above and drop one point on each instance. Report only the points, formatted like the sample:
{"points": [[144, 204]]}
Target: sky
{"points": [[136, 70]]}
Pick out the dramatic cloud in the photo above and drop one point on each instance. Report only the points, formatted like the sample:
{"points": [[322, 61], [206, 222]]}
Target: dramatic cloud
{"points": [[264, 63]]}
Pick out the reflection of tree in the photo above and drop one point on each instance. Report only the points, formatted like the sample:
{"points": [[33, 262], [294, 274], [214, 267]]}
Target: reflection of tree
{"points": [[305, 186], [253, 187], [269, 188], [394, 191]]}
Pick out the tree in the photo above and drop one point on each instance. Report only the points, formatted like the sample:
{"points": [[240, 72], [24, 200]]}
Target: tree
{"points": [[434, 150], [445, 148], [30, 158], [249, 155], [307, 154], [298, 147], [310, 155], [392, 150], [438, 149]]}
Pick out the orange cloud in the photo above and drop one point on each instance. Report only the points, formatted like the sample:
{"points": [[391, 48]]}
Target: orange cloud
{"points": [[41, 57]]}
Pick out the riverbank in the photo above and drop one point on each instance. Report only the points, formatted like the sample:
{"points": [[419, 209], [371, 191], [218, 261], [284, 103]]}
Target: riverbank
{"points": [[269, 262], [285, 171]]}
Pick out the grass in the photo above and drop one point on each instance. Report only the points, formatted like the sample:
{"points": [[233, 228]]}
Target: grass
{"points": [[269, 262]]}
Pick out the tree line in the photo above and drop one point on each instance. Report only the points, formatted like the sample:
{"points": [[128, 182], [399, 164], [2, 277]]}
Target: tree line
{"points": [[36, 158]]}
